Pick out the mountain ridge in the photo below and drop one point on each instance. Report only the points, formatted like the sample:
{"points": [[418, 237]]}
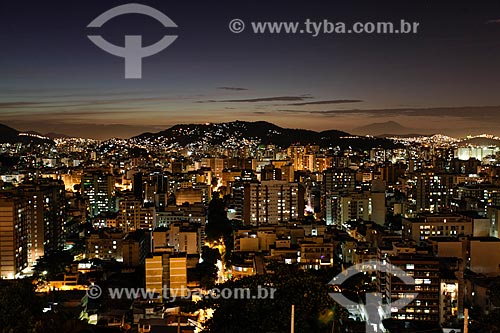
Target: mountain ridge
{"points": [[382, 128], [261, 131], [11, 135]]}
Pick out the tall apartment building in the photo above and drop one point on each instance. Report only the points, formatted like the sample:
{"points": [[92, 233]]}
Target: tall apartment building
{"points": [[391, 172], [316, 252], [182, 237], [105, 245], [152, 187], [338, 179], [184, 213], [377, 195], [309, 162], [432, 191], [296, 154], [99, 189], [109, 244], [438, 287], [273, 202], [215, 164], [323, 163], [48, 215], [132, 215], [444, 225], [235, 211], [287, 173], [335, 182], [154, 274], [37, 212], [136, 246], [14, 227], [190, 195], [493, 214], [425, 271], [478, 197], [331, 208], [167, 272], [270, 172], [185, 238], [340, 208], [355, 206]]}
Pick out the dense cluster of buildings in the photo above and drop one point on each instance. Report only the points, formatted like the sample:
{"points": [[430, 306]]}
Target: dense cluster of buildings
{"points": [[430, 208]]}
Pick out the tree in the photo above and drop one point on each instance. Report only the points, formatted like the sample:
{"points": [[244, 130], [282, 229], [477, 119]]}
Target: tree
{"points": [[314, 309], [218, 225], [19, 307], [490, 322], [21, 311], [394, 222], [53, 264], [309, 218], [61, 322], [494, 290], [207, 269]]}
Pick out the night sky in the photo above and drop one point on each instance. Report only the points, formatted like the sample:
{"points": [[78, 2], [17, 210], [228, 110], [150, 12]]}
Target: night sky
{"points": [[443, 79]]}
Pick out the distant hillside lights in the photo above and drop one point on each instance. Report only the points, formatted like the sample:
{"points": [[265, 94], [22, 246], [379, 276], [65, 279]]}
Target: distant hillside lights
{"points": [[34, 136]]}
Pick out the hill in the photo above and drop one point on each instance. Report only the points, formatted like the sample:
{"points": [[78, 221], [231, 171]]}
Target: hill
{"points": [[261, 132], [388, 128], [11, 135], [481, 142]]}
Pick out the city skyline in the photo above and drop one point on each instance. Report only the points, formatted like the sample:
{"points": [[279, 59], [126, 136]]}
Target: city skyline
{"points": [[440, 80], [249, 167]]}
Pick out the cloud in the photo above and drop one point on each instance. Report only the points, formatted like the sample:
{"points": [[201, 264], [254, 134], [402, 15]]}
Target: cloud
{"points": [[207, 101], [87, 129], [261, 99], [11, 105], [465, 112], [333, 101], [232, 88], [77, 113], [94, 102], [495, 21], [51, 104], [293, 111]]}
